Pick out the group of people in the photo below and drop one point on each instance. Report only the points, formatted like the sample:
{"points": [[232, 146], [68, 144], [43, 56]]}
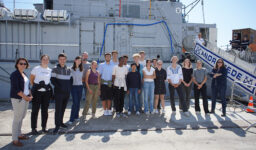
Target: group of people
{"points": [[137, 88]]}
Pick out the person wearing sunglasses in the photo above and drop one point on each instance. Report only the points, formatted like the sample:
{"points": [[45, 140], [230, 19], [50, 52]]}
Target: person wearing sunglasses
{"points": [[219, 85], [42, 91], [20, 97]]}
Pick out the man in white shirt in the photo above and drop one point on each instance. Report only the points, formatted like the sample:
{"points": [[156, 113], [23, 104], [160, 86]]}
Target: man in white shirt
{"points": [[175, 77], [119, 80], [199, 39], [126, 97]]}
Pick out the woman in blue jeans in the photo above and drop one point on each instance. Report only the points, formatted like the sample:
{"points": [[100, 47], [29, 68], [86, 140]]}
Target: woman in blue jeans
{"points": [[219, 85], [77, 88], [149, 86]]}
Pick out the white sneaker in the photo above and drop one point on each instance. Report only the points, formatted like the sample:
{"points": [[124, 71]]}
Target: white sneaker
{"points": [[137, 113], [105, 112], [93, 116], [156, 111], [109, 112], [186, 114], [163, 111], [129, 113], [70, 123]]}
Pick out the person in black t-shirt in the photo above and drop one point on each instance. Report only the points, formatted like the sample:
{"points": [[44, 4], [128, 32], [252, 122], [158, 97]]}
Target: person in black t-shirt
{"points": [[187, 71]]}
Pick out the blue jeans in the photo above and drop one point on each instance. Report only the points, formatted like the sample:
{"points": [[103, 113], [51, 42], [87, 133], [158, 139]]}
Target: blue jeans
{"points": [[221, 90], [76, 93], [134, 99], [126, 101], [148, 95]]}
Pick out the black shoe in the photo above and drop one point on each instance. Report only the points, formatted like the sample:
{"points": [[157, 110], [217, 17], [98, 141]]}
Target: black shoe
{"points": [[56, 130], [63, 125], [223, 115], [44, 130], [34, 132]]}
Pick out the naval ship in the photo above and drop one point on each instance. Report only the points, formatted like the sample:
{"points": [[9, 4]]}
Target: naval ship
{"points": [[158, 27]]}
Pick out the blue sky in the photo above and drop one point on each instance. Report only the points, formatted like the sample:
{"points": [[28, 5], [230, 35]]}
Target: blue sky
{"points": [[227, 14]]}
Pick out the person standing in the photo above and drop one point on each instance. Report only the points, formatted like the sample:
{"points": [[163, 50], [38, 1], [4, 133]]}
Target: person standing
{"points": [[142, 58], [86, 67], [199, 79], [154, 61], [219, 85], [20, 98], [42, 92], [160, 89], [139, 68], [175, 77], [187, 72], [126, 97], [62, 81], [149, 86], [199, 39], [114, 57], [105, 69], [133, 89], [119, 81], [77, 89], [93, 85]]}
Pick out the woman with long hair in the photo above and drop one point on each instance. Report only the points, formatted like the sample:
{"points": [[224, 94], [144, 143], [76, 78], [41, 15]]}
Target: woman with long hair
{"points": [[149, 86], [187, 71], [20, 97], [40, 80], [219, 85], [77, 88]]}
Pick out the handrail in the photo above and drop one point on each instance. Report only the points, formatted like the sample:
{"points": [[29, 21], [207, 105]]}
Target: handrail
{"points": [[233, 85]]}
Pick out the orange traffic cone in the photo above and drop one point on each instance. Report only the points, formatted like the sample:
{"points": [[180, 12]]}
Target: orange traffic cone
{"points": [[250, 105]]}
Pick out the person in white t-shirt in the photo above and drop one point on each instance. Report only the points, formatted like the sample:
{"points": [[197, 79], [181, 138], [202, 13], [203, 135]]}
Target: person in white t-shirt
{"points": [[199, 40], [41, 91], [149, 86], [175, 77], [119, 81], [126, 97]]}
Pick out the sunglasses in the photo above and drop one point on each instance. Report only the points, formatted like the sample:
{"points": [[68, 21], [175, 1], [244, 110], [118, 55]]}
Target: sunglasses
{"points": [[160, 64], [219, 62], [25, 64]]}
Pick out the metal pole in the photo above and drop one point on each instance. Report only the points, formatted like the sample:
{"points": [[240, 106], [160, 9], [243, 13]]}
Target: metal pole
{"points": [[13, 5], [119, 8], [150, 9]]}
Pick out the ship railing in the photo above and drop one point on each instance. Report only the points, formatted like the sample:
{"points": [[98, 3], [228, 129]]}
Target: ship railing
{"points": [[250, 67], [236, 104]]}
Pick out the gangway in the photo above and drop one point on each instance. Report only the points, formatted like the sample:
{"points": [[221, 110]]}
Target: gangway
{"points": [[237, 69]]}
